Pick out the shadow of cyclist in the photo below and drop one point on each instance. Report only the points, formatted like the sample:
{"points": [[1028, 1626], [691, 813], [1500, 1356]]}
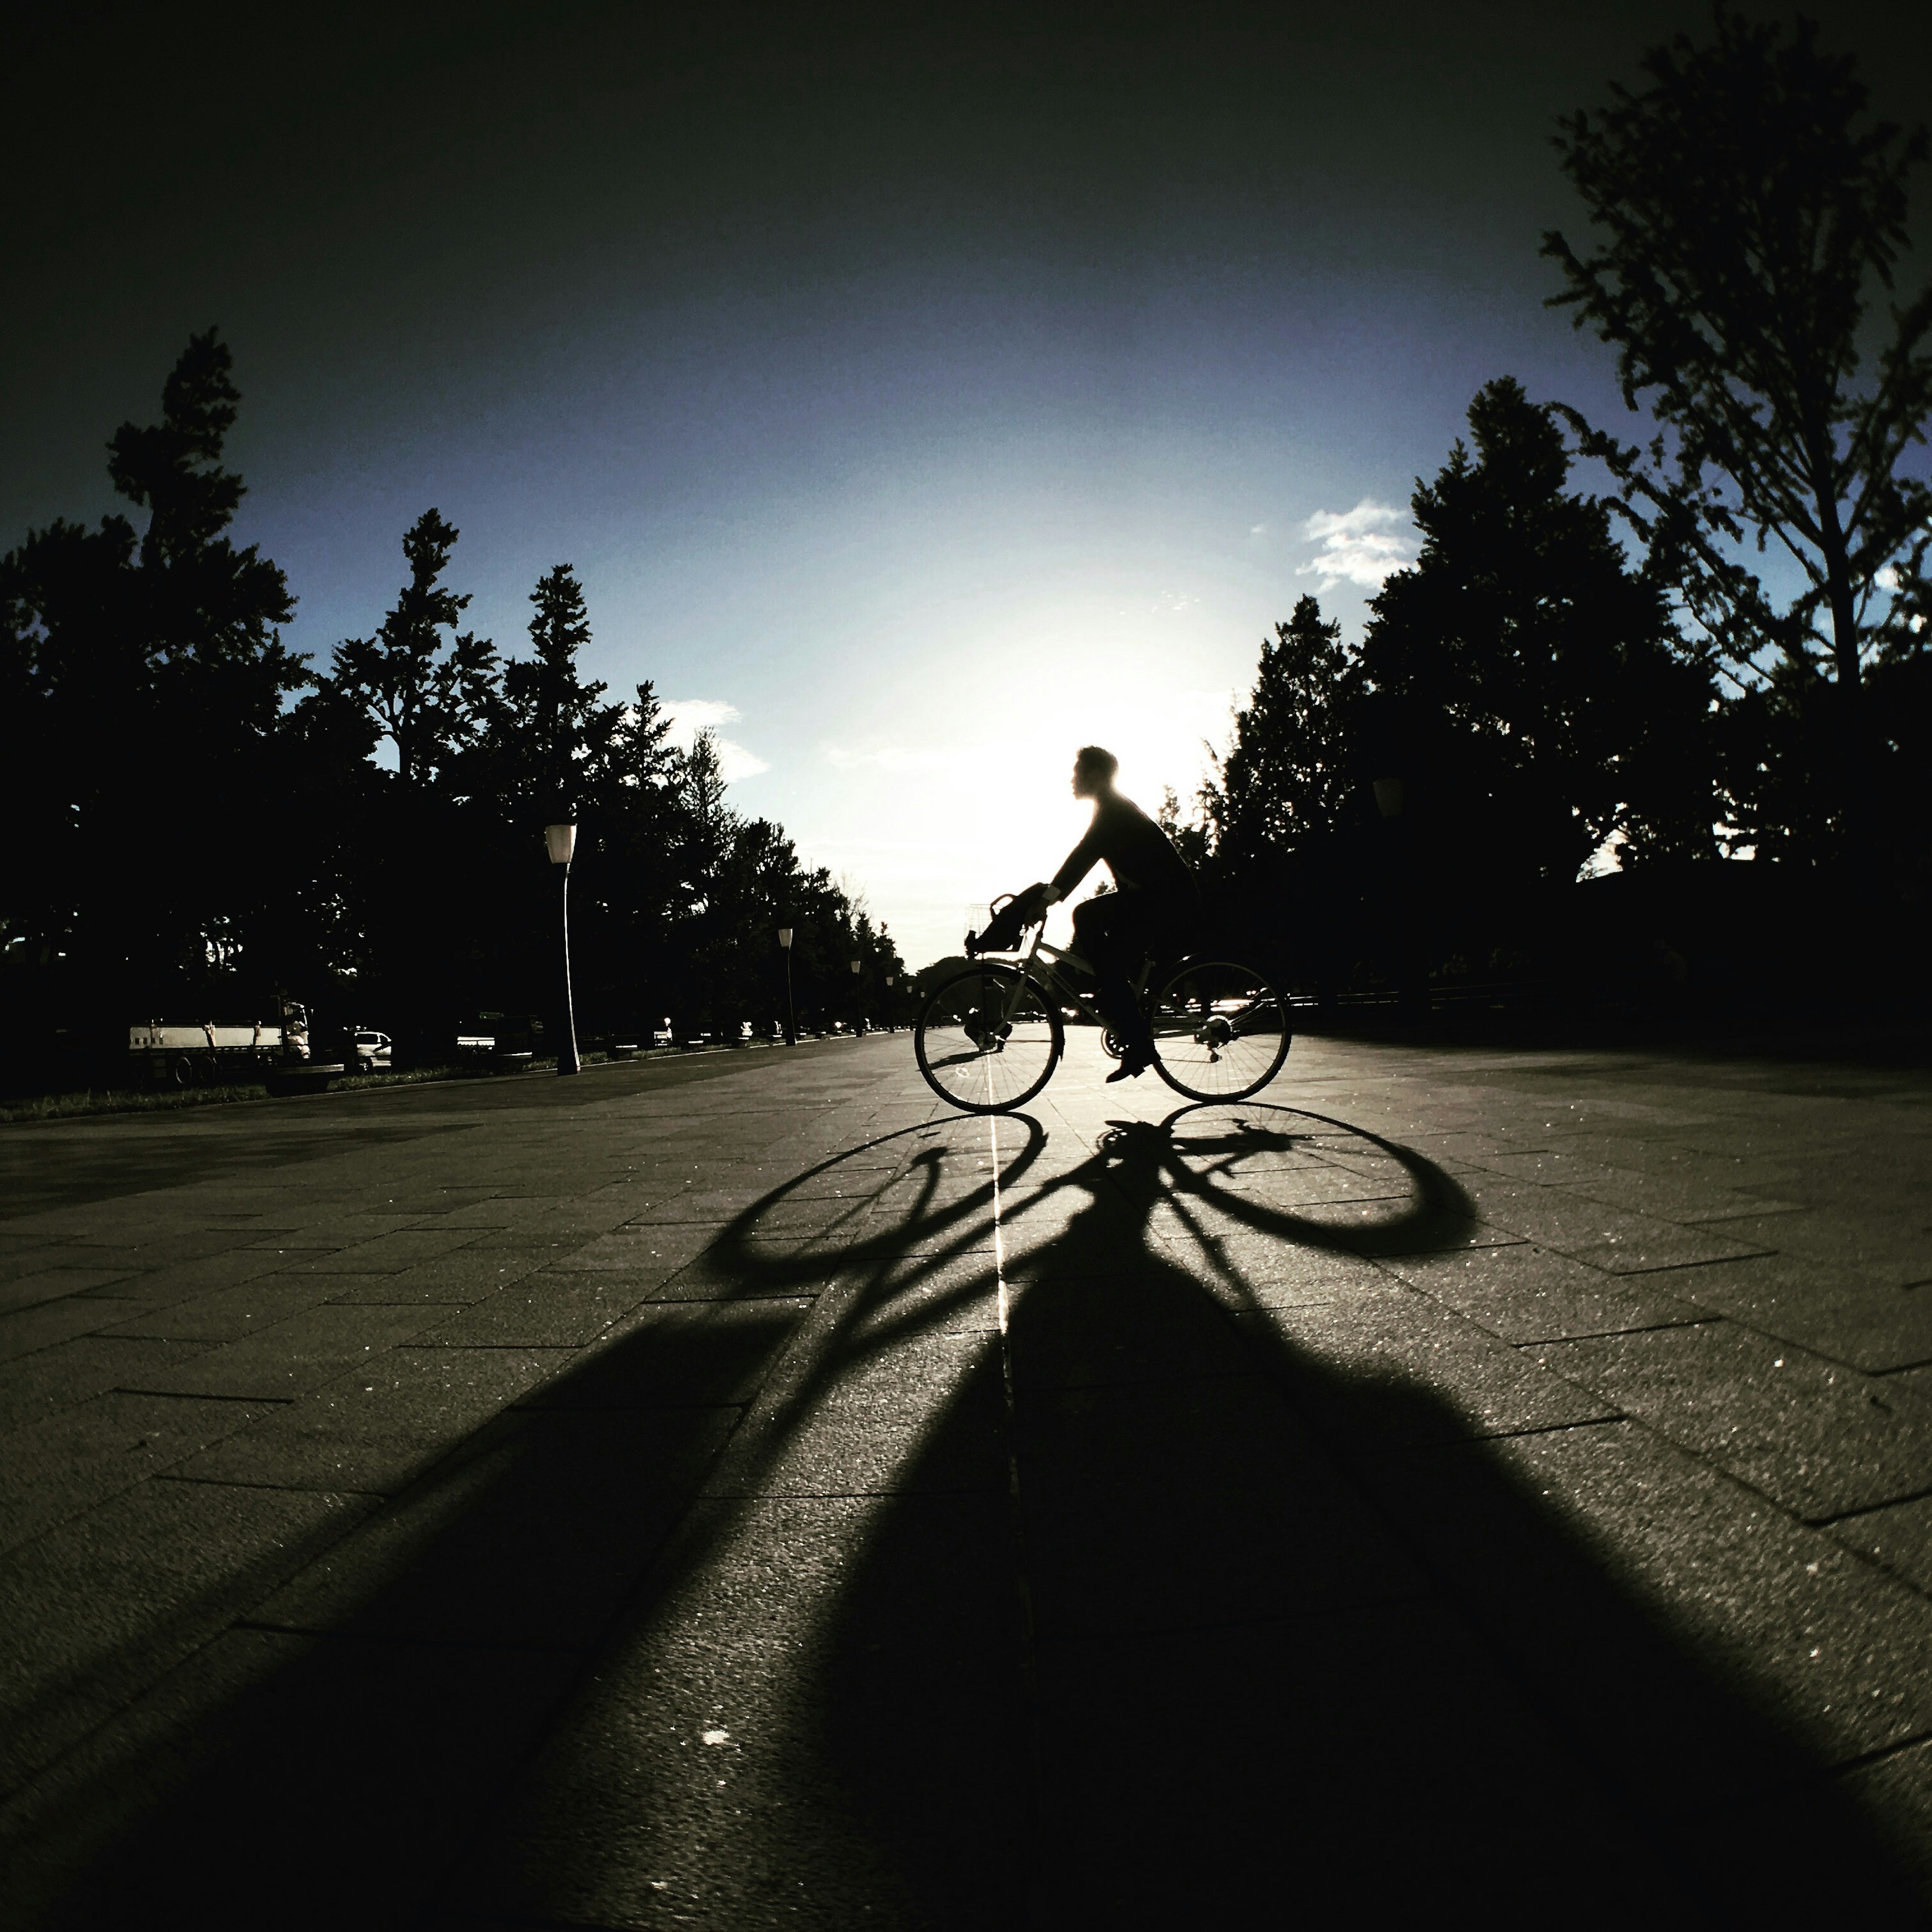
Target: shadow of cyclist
{"points": [[1089, 1555], [1296, 1638]]}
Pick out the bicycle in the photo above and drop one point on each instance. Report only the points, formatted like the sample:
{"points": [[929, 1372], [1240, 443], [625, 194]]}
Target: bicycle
{"points": [[989, 1038]]}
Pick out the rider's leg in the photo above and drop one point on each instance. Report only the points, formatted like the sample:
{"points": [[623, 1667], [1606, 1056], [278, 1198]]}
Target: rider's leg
{"points": [[1110, 933]]}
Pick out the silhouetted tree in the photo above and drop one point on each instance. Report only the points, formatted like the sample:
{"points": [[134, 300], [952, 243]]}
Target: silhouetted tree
{"points": [[198, 820], [1750, 208], [1286, 777], [557, 734], [429, 695], [149, 679], [1547, 705]]}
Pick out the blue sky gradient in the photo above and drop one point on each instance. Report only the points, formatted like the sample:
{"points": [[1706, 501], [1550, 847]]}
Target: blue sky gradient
{"points": [[914, 407]]}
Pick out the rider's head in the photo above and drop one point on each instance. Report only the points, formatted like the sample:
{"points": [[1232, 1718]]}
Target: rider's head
{"points": [[1093, 771]]}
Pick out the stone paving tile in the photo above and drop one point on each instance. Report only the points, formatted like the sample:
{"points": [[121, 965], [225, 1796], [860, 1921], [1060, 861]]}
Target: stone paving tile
{"points": [[1897, 1792], [1615, 1239], [100, 1606], [1833, 1310], [33, 1257], [1188, 1502], [1277, 1756], [551, 1310], [1758, 1614], [299, 1354], [1667, 1195], [774, 1269], [784, 1722], [1816, 1436], [1136, 1326], [338, 1789], [66, 1823], [1260, 1270], [331, 1227], [68, 1461], [386, 1254], [950, 1292], [842, 1450], [378, 1430], [186, 1281], [663, 1250], [54, 1284], [228, 1314], [1896, 1248], [40, 1385], [670, 1355], [1523, 1295], [1371, 1230], [28, 1331], [1393, 1366], [1899, 1536], [532, 1535], [460, 1279]]}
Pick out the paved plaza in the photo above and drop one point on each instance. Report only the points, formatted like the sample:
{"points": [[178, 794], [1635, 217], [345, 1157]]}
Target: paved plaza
{"points": [[740, 1491]]}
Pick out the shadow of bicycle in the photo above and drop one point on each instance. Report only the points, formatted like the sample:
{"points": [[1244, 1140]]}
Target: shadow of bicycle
{"points": [[1179, 1601], [1089, 1545]]}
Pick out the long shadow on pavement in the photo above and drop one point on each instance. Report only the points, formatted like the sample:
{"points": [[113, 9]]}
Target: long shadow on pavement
{"points": [[1162, 1608]]}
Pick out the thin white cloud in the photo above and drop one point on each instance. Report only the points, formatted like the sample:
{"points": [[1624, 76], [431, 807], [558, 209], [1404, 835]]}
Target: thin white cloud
{"points": [[690, 715], [1358, 546]]}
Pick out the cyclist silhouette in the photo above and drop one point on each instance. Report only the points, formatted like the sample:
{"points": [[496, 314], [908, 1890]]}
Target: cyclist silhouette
{"points": [[1154, 908]]}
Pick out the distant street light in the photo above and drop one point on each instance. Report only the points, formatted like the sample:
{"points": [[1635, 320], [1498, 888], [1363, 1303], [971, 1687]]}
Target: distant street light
{"points": [[858, 1018], [791, 1016], [560, 841]]}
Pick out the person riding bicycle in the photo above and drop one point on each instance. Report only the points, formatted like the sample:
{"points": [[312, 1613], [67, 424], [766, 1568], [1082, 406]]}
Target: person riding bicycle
{"points": [[1155, 907]]}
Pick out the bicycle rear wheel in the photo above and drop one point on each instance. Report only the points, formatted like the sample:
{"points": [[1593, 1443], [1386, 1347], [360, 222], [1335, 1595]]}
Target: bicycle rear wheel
{"points": [[987, 1040], [1220, 1031]]}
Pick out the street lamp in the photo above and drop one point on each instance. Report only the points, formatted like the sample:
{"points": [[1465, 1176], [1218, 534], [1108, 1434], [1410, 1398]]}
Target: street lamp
{"points": [[791, 1016], [560, 841], [858, 1019]]}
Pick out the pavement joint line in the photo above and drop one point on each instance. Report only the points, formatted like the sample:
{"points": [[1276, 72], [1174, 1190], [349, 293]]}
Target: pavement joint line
{"points": [[1680, 1268], [1877, 1755], [1602, 1334], [191, 1395], [336, 1633], [286, 1488], [1866, 1509]]}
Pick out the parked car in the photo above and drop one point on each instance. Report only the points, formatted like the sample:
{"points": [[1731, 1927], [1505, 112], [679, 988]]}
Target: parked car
{"points": [[372, 1052]]}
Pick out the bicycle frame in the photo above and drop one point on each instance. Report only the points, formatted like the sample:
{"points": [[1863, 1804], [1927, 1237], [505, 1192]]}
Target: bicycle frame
{"points": [[1050, 981]]}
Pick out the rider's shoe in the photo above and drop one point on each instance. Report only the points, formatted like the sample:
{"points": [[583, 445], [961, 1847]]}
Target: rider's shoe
{"points": [[1132, 1067]]}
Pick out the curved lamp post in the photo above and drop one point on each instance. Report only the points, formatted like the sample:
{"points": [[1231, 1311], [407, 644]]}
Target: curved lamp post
{"points": [[791, 1016], [560, 841]]}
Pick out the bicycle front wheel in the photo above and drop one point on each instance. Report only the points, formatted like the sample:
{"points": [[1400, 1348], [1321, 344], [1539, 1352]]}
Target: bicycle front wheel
{"points": [[1220, 1031], [987, 1040]]}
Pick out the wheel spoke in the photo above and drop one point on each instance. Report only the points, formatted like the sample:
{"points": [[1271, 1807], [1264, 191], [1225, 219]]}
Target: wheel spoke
{"points": [[1220, 1031], [987, 1041]]}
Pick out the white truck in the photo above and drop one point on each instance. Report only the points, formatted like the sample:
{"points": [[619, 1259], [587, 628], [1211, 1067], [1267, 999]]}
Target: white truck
{"points": [[203, 1055]]}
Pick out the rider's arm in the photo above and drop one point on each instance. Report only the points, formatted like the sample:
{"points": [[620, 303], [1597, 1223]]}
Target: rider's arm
{"points": [[1080, 861]]}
